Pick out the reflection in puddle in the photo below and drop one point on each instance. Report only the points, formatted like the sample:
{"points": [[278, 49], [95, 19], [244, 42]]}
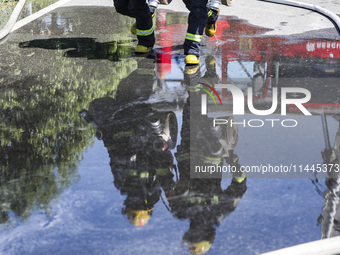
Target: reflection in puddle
{"points": [[148, 113], [42, 137], [140, 139], [31, 7]]}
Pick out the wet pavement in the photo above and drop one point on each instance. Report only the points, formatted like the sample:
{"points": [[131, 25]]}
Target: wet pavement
{"points": [[100, 147]]}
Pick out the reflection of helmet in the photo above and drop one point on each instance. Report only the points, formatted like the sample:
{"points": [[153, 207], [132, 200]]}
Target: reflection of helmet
{"points": [[139, 218], [199, 238], [199, 248]]}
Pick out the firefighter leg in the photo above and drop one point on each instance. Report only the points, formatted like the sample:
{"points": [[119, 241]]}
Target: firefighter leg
{"points": [[139, 10], [145, 28], [122, 7], [213, 12], [197, 21], [153, 5]]}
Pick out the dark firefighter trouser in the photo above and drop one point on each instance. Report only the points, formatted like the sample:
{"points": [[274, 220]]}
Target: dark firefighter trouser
{"points": [[139, 10], [198, 19]]}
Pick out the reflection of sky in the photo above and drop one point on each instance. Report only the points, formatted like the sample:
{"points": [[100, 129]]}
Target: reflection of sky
{"points": [[273, 213], [87, 219], [298, 145]]}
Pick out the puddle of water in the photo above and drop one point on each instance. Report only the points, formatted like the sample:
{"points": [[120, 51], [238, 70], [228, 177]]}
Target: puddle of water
{"points": [[97, 144], [7, 7]]}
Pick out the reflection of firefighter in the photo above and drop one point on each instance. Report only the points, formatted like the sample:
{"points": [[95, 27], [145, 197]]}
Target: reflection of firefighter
{"points": [[139, 139], [139, 142], [330, 218], [202, 200], [205, 204]]}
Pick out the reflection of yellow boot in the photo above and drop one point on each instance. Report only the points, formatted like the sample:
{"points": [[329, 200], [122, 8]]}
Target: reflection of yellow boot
{"points": [[191, 60], [142, 49], [210, 63]]}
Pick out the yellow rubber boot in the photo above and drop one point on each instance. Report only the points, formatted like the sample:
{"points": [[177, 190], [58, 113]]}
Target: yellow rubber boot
{"points": [[210, 29], [191, 60], [133, 29]]}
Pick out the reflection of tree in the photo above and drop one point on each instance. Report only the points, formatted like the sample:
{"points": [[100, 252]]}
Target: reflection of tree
{"points": [[40, 4], [42, 135], [7, 6]]}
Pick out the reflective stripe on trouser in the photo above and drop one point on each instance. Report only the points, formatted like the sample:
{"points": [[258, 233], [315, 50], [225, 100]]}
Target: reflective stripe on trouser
{"points": [[197, 21], [139, 10], [192, 37], [145, 32], [146, 37]]}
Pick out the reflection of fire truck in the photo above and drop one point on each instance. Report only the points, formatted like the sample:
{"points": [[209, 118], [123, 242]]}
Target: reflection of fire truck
{"points": [[249, 59]]}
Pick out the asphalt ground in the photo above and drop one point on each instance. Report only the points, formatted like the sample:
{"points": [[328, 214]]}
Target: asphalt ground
{"points": [[281, 19]]}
